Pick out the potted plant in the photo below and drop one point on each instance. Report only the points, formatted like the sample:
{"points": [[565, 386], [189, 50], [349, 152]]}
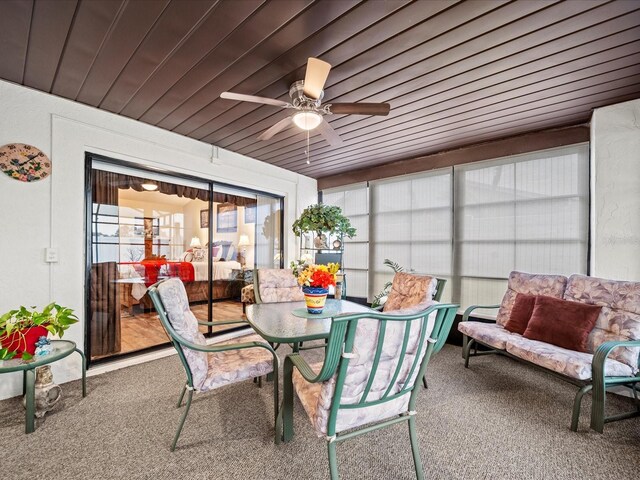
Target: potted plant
{"points": [[20, 329], [315, 281], [321, 218]]}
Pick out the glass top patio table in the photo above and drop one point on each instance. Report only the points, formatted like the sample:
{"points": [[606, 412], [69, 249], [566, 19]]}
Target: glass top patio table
{"points": [[276, 322]]}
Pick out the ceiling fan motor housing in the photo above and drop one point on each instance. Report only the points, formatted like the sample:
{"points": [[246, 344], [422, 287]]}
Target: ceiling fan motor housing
{"points": [[299, 99]]}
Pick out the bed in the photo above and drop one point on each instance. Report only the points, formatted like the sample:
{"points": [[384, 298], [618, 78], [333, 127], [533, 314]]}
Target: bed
{"points": [[136, 277]]}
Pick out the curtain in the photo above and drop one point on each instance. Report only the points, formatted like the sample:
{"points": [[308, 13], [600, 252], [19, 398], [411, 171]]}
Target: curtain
{"points": [[105, 309]]}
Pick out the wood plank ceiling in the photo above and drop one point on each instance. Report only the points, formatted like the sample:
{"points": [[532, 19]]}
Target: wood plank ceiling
{"points": [[455, 72]]}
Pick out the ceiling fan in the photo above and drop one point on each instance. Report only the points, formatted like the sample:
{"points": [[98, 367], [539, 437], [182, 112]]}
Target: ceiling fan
{"points": [[306, 99]]}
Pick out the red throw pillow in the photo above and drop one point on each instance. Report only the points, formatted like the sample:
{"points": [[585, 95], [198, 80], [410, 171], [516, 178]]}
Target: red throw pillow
{"points": [[562, 322], [520, 313]]}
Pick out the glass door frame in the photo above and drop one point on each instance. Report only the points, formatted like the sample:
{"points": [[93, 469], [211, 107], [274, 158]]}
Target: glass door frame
{"points": [[88, 202]]}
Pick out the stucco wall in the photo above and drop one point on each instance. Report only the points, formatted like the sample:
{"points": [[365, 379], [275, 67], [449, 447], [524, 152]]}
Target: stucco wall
{"points": [[51, 212], [615, 177]]}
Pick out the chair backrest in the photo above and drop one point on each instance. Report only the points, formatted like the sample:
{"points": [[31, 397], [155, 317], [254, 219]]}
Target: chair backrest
{"points": [[273, 285], [440, 283], [170, 300], [408, 290], [373, 362]]}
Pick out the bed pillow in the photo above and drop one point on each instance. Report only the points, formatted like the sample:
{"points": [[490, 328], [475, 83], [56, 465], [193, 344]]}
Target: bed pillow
{"points": [[563, 323], [520, 313], [231, 253], [199, 255], [187, 256], [216, 252]]}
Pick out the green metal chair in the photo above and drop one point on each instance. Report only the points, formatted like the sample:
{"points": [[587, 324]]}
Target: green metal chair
{"points": [[209, 366], [368, 378]]}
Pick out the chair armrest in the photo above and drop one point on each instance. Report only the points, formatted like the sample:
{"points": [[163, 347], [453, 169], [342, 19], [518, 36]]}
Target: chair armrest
{"points": [[226, 322], [224, 347], [469, 310], [296, 360], [603, 351]]}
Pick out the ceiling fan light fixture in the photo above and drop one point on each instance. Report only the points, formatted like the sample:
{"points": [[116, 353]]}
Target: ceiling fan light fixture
{"points": [[307, 120]]}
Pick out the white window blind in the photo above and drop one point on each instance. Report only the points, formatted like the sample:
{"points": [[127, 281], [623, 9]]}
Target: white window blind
{"points": [[527, 212], [354, 202], [411, 224]]}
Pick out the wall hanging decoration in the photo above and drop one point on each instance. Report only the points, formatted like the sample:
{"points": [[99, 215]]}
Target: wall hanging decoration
{"points": [[24, 162], [227, 218]]}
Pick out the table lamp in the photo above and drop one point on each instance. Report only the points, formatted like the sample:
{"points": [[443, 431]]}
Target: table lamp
{"points": [[195, 242], [243, 243]]}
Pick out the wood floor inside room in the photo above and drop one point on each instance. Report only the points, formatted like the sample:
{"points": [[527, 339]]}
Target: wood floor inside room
{"points": [[143, 330]]}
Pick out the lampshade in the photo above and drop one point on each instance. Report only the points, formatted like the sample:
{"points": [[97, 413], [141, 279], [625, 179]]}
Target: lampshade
{"points": [[307, 120], [244, 241], [149, 186], [195, 242]]}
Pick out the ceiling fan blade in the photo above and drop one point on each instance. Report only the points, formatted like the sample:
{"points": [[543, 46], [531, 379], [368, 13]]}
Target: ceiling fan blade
{"points": [[329, 134], [315, 77], [360, 108], [271, 131], [252, 98]]}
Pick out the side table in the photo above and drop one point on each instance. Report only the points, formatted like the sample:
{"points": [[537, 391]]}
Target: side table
{"points": [[60, 350]]}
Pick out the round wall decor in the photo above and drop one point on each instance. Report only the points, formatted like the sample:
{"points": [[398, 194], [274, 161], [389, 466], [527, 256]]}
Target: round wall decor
{"points": [[24, 162]]}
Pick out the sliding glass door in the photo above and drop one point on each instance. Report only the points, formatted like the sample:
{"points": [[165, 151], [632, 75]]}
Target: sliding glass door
{"points": [[144, 227]]}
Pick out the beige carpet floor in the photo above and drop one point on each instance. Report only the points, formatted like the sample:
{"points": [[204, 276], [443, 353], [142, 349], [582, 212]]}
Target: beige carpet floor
{"points": [[497, 420]]}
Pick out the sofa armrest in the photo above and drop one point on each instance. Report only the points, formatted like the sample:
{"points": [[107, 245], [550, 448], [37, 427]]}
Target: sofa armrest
{"points": [[469, 310], [603, 351]]}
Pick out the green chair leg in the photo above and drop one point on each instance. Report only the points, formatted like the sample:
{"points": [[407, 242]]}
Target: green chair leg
{"points": [[424, 381], [333, 461], [276, 405], [287, 404], [415, 448], [466, 351], [184, 390], [576, 407], [597, 406], [182, 420], [259, 382]]}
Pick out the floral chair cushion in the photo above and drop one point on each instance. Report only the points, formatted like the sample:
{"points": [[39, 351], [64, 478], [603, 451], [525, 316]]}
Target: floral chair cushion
{"points": [[278, 285], [176, 303], [531, 284], [317, 398], [490, 334], [236, 365], [619, 319], [408, 290], [566, 362]]}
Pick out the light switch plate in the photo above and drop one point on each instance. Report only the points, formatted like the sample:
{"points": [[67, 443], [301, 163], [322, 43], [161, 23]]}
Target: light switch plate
{"points": [[51, 255]]}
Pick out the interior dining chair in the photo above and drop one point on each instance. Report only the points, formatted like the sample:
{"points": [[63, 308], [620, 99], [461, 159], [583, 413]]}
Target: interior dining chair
{"points": [[368, 378], [209, 366], [408, 289]]}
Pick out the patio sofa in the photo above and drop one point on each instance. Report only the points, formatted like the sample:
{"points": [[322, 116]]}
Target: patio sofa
{"points": [[612, 346]]}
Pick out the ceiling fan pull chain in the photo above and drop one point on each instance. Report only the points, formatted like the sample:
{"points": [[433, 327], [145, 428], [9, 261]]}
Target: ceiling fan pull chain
{"points": [[307, 150]]}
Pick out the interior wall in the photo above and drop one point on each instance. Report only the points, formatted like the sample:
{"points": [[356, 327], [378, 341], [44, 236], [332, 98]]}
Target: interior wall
{"points": [[50, 212], [615, 163]]}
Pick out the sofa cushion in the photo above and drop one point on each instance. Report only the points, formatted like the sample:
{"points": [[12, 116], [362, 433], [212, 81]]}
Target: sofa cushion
{"points": [[531, 284], [520, 313], [619, 319], [488, 333], [408, 290], [562, 323], [566, 362]]}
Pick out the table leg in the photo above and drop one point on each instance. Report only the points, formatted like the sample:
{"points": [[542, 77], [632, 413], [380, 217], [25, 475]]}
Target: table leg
{"points": [[287, 402], [84, 373], [24, 382], [30, 382]]}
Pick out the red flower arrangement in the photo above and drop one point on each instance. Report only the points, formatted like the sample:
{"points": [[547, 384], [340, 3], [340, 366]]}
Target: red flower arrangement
{"points": [[323, 279]]}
